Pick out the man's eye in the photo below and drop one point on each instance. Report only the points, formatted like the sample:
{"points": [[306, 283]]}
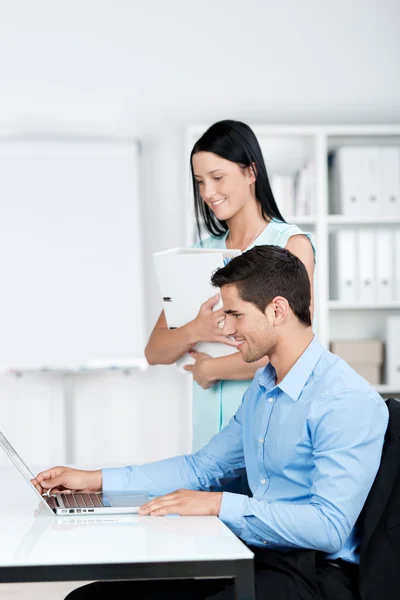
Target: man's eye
{"points": [[218, 178]]}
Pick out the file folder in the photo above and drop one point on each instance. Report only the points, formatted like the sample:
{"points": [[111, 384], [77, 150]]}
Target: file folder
{"points": [[371, 200], [346, 267], [397, 265], [390, 181], [384, 258], [184, 276], [348, 171], [366, 259]]}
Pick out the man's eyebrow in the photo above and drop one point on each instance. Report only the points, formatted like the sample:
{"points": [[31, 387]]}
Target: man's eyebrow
{"points": [[231, 312]]}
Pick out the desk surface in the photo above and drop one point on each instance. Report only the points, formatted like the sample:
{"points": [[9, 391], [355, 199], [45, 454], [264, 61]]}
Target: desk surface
{"points": [[30, 539]]}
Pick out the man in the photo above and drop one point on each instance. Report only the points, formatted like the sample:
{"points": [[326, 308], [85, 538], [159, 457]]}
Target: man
{"points": [[309, 434]]}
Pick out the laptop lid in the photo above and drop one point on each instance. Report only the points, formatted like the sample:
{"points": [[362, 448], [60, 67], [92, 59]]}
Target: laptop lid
{"points": [[22, 468], [113, 502]]}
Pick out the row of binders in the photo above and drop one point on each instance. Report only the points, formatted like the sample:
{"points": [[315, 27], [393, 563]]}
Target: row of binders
{"points": [[365, 180], [365, 265], [295, 193]]}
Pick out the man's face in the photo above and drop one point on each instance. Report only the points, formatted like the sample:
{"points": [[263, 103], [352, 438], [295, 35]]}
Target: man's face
{"points": [[248, 325]]}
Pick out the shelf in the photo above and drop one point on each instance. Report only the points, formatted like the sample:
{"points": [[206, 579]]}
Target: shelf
{"points": [[387, 389], [341, 220], [337, 305]]}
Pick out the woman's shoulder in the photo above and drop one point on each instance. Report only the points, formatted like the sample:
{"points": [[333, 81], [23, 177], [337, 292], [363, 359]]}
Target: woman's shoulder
{"points": [[277, 233]]}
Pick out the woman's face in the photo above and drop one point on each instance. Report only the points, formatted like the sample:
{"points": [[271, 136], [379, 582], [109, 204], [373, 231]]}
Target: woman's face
{"points": [[224, 186]]}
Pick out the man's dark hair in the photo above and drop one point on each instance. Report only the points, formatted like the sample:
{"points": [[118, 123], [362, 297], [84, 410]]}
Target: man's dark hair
{"points": [[265, 272]]}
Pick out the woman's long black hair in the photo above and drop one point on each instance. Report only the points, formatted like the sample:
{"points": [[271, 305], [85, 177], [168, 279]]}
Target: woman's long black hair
{"points": [[234, 141]]}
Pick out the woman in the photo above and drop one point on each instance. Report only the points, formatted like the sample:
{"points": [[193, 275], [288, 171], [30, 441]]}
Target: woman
{"points": [[235, 204]]}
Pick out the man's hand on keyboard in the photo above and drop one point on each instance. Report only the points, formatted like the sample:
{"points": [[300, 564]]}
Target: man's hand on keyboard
{"points": [[67, 480]]}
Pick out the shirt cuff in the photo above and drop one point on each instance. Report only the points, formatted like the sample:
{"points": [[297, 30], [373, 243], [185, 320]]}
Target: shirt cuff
{"points": [[112, 480], [232, 510]]}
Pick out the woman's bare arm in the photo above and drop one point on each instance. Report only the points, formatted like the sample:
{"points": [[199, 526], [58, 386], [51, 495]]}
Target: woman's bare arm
{"points": [[166, 346], [300, 246]]}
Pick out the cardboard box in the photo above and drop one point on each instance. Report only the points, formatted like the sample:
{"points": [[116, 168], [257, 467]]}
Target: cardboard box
{"points": [[371, 372], [359, 351], [364, 356]]}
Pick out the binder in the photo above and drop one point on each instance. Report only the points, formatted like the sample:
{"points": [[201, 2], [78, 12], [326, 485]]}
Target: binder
{"points": [[284, 193], [371, 200], [397, 265], [346, 267], [348, 171], [390, 180], [366, 259], [393, 351], [384, 261], [184, 276]]}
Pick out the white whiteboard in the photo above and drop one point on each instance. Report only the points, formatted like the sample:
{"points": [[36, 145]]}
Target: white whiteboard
{"points": [[70, 253]]}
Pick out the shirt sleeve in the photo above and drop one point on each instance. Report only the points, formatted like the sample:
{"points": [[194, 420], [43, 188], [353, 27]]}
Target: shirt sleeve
{"points": [[220, 461], [347, 434]]}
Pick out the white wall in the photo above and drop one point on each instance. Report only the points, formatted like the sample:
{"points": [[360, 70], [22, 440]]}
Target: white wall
{"points": [[146, 70]]}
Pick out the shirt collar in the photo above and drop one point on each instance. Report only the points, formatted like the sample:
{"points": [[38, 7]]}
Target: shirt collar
{"points": [[294, 381]]}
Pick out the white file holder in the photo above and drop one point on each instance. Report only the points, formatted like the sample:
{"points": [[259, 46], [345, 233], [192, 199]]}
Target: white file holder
{"points": [[390, 181], [348, 172], [184, 278], [366, 260], [397, 265], [347, 265], [384, 262], [371, 181]]}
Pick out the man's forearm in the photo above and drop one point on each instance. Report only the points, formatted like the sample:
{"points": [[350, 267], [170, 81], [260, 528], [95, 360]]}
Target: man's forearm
{"points": [[283, 525]]}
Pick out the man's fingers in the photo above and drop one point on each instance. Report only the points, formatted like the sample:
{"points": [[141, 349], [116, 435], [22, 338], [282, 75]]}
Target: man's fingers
{"points": [[36, 484], [163, 502], [48, 474], [53, 482], [188, 368], [160, 512], [56, 490]]}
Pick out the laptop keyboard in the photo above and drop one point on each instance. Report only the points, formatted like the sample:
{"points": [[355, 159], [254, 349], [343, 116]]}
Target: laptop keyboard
{"points": [[82, 500]]}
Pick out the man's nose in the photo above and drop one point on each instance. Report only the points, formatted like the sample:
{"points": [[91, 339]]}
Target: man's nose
{"points": [[229, 326]]}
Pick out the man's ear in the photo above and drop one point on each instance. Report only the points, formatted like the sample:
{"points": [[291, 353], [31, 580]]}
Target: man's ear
{"points": [[279, 310]]}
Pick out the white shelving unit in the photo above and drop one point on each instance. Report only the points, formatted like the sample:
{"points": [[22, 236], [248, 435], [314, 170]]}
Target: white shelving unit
{"points": [[289, 147]]}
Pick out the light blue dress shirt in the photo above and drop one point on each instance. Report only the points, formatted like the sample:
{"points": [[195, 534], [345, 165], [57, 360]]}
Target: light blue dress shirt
{"points": [[311, 447]]}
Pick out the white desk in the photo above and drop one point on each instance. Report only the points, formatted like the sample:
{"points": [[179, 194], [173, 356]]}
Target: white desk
{"points": [[42, 548]]}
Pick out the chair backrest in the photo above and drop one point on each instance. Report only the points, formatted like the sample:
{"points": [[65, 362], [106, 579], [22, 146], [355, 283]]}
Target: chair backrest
{"points": [[379, 556]]}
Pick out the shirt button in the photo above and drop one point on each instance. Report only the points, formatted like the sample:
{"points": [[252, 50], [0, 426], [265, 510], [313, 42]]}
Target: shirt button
{"points": [[271, 400], [263, 481], [265, 542], [261, 440]]}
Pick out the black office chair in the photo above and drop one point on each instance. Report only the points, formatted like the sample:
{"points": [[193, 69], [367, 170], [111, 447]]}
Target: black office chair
{"points": [[379, 522]]}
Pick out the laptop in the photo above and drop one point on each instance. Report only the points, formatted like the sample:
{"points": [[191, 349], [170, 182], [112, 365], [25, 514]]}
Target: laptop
{"points": [[79, 503]]}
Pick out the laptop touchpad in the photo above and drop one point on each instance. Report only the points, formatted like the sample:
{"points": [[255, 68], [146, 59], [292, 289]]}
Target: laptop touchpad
{"points": [[125, 500]]}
